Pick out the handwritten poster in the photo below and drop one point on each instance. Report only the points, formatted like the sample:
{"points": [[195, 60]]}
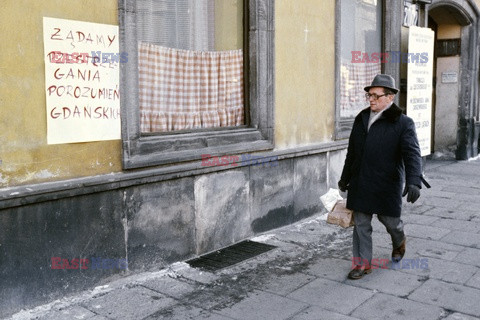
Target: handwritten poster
{"points": [[81, 81], [419, 84]]}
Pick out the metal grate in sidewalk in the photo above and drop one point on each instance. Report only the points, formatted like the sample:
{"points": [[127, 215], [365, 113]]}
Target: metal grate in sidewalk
{"points": [[230, 255]]}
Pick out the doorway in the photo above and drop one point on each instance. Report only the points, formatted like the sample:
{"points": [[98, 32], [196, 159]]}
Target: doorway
{"points": [[446, 85], [455, 79]]}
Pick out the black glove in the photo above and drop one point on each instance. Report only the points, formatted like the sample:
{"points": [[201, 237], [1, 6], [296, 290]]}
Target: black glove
{"points": [[342, 185], [413, 193]]}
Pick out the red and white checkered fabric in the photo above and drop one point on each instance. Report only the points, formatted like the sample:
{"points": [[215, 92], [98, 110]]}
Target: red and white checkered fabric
{"points": [[355, 77], [183, 89]]}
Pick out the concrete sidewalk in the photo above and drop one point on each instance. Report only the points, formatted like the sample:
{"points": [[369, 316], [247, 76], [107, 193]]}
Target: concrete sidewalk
{"points": [[304, 277]]}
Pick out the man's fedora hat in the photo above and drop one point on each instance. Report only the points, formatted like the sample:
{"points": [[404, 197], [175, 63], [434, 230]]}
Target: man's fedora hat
{"points": [[383, 80]]}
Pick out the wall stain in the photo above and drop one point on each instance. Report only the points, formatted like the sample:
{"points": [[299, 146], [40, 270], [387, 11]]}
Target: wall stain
{"points": [[274, 219]]}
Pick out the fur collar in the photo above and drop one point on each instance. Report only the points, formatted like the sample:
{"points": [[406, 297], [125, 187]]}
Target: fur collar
{"points": [[392, 114]]}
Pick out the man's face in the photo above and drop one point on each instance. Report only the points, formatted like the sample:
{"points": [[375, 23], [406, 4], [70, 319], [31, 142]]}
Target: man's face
{"points": [[381, 102]]}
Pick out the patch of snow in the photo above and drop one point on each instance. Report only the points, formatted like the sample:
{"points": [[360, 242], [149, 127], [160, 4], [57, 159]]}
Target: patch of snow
{"points": [[263, 237], [323, 217], [474, 158]]}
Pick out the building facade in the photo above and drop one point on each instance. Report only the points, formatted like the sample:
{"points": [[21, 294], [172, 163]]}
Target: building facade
{"points": [[175, 186]]}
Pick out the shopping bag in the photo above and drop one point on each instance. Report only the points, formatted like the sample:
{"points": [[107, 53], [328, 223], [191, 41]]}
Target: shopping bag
{"points": [[340, 215]]}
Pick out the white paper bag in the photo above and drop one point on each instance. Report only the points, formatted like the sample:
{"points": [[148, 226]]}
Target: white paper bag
{"points": [[330, 198]]}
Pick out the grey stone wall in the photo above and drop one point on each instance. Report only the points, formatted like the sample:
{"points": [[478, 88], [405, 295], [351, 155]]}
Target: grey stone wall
{"points": [[151, 223]]}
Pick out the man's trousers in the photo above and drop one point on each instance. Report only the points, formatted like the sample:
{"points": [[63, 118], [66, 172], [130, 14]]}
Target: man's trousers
{"points": [[362, 234]]}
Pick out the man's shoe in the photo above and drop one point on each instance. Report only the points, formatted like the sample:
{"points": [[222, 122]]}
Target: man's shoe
{"points": [[358, 272], [398, 253]]}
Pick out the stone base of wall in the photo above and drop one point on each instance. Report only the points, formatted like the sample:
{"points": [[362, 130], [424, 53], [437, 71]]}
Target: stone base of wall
{"points": [[150, 224]]}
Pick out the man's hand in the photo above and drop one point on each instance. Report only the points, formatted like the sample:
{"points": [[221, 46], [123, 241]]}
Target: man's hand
{"points": [[342, 185], [413, 193]]}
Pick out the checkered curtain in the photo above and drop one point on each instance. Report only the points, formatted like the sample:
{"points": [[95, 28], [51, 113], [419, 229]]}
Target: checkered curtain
{"points": [[354, 77], [184, 89]]}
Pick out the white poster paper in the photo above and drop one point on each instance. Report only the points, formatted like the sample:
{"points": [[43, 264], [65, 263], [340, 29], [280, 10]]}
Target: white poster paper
{"points": [[81, 81], [419, 84]]}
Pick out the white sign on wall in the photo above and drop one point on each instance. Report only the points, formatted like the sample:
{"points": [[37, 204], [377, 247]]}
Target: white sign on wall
{"points": [[419, 84], [449, 77], [81, 81]]}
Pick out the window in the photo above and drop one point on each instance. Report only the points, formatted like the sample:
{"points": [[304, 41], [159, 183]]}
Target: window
{"points": [[193, 86], [185, 80], [360, 45], [181, 24]]}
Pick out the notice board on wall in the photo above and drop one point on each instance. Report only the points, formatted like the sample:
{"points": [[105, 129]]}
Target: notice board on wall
{"points": [[419, 84], [81, 81]]}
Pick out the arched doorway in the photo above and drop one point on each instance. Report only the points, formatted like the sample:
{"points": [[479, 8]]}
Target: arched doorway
{"points": [[455, 95]]}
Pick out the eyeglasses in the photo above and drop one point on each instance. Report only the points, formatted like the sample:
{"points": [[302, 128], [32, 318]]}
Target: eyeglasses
{"points": [[374, 96]]}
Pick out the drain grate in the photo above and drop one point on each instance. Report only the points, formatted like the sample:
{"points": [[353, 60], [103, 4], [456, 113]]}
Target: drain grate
{"points": [[230, 255]]}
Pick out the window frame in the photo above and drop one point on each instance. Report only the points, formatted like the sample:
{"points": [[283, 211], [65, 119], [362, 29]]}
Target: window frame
{"points": [[140, 150], [392, 18]]}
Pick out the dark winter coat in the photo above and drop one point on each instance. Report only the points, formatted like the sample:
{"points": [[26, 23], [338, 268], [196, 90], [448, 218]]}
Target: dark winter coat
{"points": [[379, 161]]}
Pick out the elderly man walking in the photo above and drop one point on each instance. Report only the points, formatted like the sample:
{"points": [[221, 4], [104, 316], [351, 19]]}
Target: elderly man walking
{"points": [[383, 154]]}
